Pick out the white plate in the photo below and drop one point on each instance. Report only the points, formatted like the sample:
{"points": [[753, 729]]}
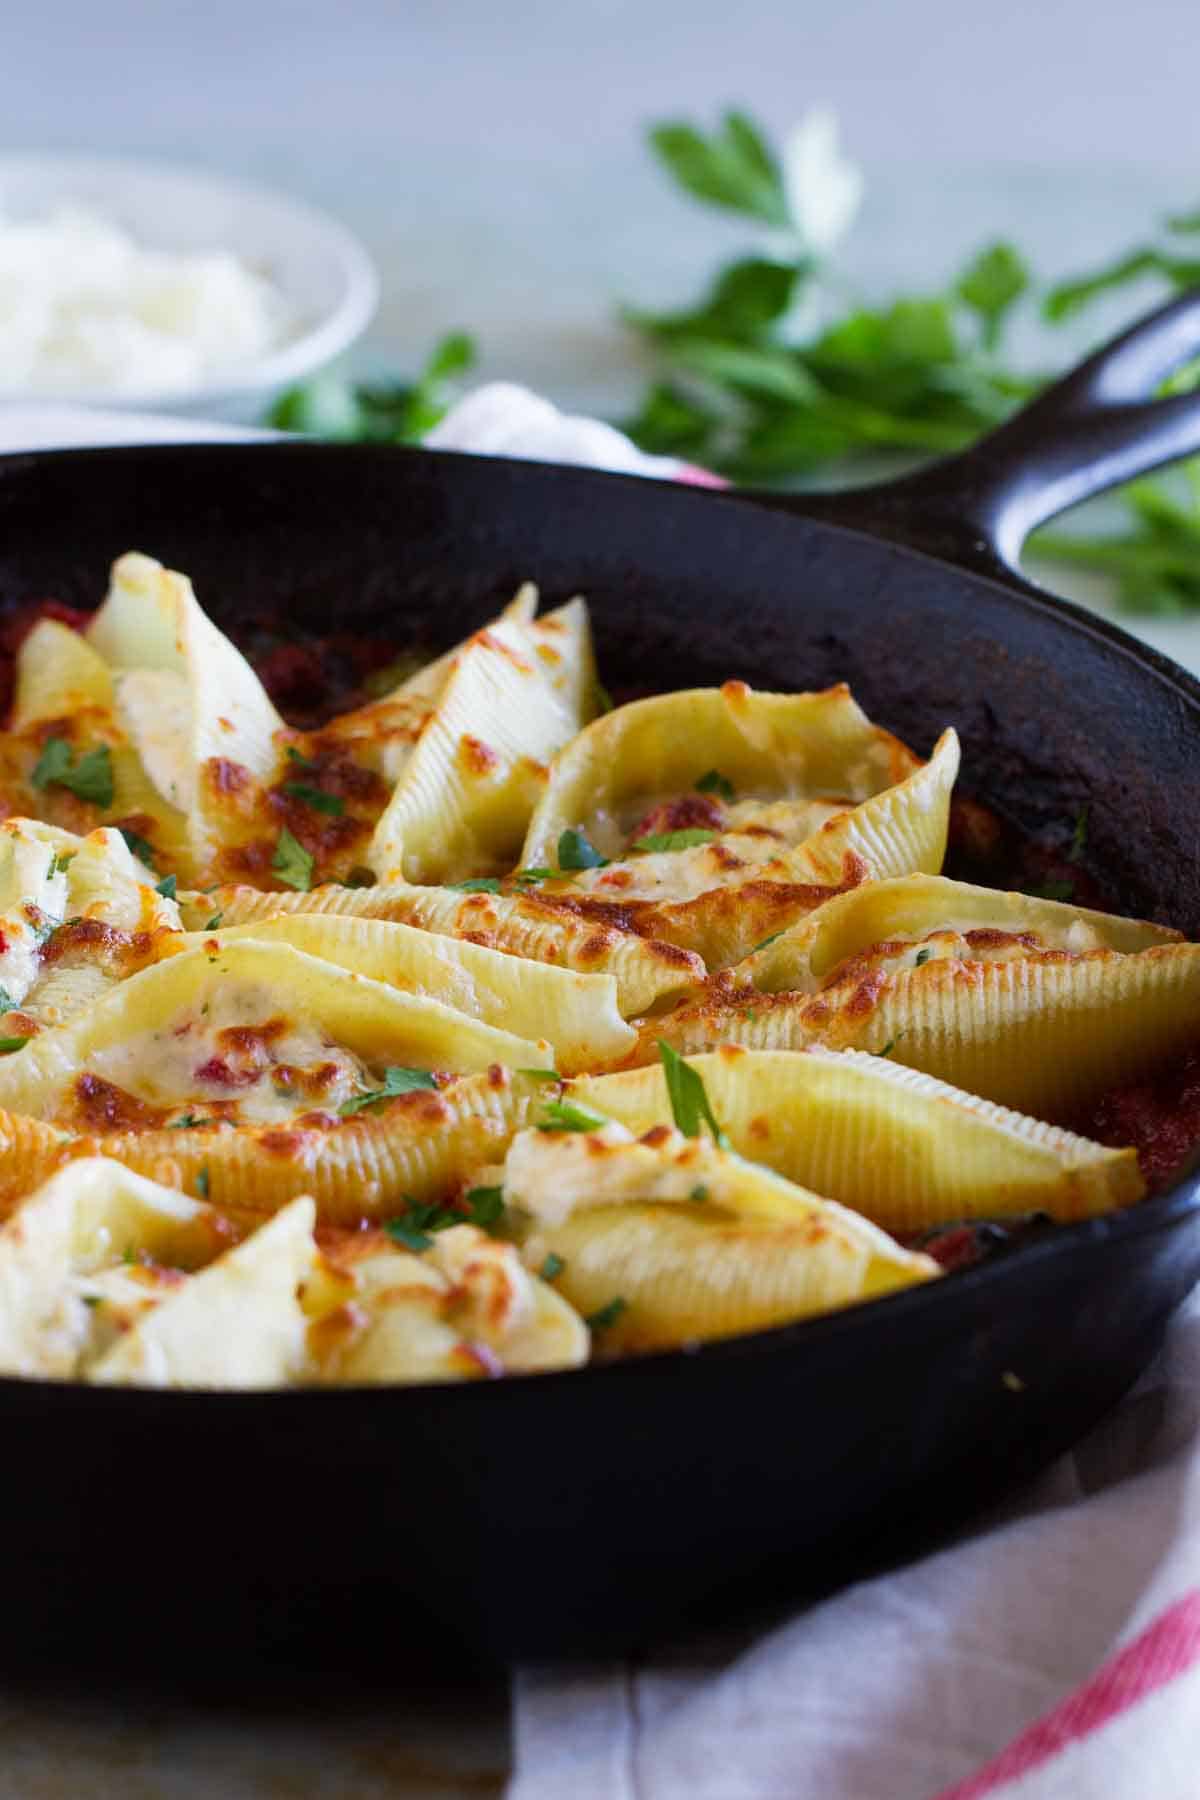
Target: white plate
{"points": [[323, 272]]}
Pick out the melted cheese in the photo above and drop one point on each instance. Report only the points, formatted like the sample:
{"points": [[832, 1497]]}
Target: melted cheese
{"points": [[241, 1052]]}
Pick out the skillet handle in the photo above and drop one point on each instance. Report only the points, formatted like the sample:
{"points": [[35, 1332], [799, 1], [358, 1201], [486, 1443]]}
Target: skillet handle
{"points": [[1093, 430]]}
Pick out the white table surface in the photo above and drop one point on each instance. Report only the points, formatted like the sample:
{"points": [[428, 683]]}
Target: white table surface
{"points": [[490, 157]]}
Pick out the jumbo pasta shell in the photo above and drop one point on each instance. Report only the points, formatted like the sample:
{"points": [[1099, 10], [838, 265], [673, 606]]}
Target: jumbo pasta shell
{"points": [[1044, 1035], [887, 923], [465, 795], [894, 833], [692, 1241], [420, 1146], [578, 1013], [236, 1324], [464, 1310], [898, 1146], [543, 928], [154, 1029], [769, 745]]}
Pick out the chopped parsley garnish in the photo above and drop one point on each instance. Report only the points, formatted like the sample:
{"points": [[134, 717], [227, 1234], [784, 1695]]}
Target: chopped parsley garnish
{"points": [[569, 1115], [202, 1182], [716, 783], [751, 1014], [674, 840], [301, 761], [689, 1100], [7, 1003], [315, 797], [1078, 835], [1052, 890], [137, 845], [395, 1081], [486, 1205], [766, 941], [577, 851], [923, 957], [530, 877], [8, 1045], [413, 1226], [91, 778], [607, 1315], [188, 1122], [129, 1255], [541, 1074], [215, 921], [479, 884], [166, 887], [93, 1300], [552, 1267], [892, 1042], [60, 864], [292, 862], [699, 1192]]}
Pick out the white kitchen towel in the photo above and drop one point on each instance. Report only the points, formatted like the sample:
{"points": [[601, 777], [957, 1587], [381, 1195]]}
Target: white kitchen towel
{"points": [[1054, 1655]]}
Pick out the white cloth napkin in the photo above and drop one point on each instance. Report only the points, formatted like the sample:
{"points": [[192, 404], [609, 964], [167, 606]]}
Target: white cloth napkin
{"points": [[1052, 1656]]}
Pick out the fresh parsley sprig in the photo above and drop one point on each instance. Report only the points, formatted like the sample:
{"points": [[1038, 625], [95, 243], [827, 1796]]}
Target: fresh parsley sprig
{"points": [[395, 1082], [688, 1096], [91, 778]]}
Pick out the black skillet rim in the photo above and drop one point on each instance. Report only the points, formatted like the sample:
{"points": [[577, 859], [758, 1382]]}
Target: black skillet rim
{"points": [[1157, 1213]]}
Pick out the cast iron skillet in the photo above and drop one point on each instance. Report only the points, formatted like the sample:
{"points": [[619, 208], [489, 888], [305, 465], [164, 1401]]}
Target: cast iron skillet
{"points": [[571, 1512]]}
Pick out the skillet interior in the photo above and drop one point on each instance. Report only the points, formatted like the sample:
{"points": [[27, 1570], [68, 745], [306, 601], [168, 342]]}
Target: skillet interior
{"points": [[562, 1513]]}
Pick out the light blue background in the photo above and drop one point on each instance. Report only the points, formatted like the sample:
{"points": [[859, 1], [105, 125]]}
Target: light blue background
{"points": [[490, 153]]}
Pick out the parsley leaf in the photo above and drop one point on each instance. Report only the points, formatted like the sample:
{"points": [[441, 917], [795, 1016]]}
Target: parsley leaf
{"points": [[991, 285], [59, 864], [202, 1183], [716, 783], [892, 1042], [485, 1206], [531, 877], [301, 761], [414, 1226], [732, 167], [688, 1096], [7, 1003], [188, 1122], [922, 958], [673, 840], [138, 846], [292, 862], [392, 413], [541, 1074], [607, 1315], [395, 1081], [552, 1267], [214, 922], [576, 851], [479, 884], [166, 887], [570, 1115], [316, 798], [90, 779], [762, 944]]}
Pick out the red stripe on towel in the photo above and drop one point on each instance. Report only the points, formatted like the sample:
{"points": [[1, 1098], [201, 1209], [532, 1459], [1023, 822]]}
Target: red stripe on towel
{"points": [[1157, 1655]]}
